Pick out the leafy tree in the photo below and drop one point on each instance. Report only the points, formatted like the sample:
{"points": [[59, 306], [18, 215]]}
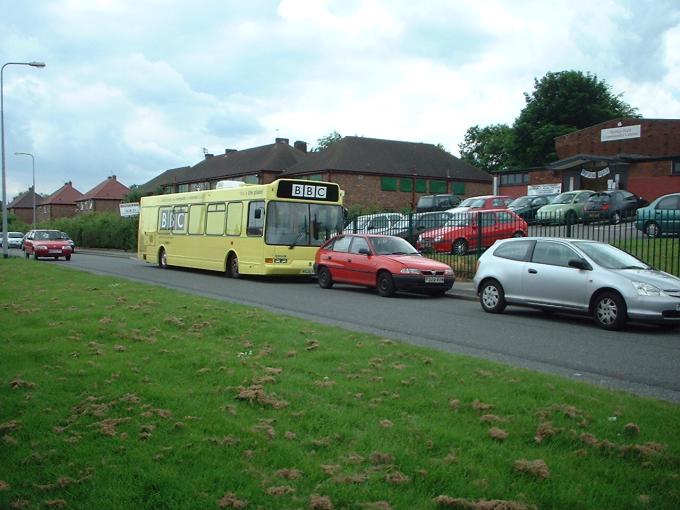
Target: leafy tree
{"points": [[488, 148], [325, 141], [562, 102], [134, 194]]}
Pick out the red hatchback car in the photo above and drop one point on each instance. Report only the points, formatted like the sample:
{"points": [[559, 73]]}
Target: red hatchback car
{"points": [[387, 263], [462, 233], [47, 243]]}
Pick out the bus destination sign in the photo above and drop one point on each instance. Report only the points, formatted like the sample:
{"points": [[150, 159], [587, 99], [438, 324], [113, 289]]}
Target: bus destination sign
{"points": [[308, 190]]}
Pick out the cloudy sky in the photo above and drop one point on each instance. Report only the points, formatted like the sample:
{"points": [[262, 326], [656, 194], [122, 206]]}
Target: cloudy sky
{"points": [[135, 87]]}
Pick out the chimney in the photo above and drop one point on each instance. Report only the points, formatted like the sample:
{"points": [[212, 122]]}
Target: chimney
{"points": [[229, 151], [300, 145], [208, 155], [282, 140]]}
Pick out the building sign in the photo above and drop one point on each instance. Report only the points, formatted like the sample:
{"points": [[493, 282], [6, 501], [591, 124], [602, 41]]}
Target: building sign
{"points": [[308, 190], [129, 209], [544, 189], [594, 175], [620, 133]]}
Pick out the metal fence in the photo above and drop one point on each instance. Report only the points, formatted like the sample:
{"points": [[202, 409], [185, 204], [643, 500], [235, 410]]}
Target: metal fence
{"points": [[459, 240]]}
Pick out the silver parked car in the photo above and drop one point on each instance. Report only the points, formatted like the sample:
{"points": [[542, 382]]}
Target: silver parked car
{"points": [[576, 276]]}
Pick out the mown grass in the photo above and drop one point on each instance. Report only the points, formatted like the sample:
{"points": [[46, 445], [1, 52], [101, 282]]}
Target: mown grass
{"points": [[663, 253], [120, 395]]}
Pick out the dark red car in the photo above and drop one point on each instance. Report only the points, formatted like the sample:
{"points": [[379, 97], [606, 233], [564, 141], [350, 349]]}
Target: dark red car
{"points": [[387, 263], [462, 233], [47, 243]]}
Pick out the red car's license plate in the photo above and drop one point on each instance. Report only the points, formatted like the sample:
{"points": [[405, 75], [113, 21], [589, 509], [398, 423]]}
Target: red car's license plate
{"points": [[434, 279], [55, 251]]}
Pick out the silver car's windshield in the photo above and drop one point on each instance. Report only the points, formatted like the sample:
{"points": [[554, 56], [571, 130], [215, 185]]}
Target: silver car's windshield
{"points": [[607, 256]]}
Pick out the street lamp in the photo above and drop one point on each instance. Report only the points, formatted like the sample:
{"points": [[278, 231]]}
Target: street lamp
{"points": [[5, 254], [33, 166]]}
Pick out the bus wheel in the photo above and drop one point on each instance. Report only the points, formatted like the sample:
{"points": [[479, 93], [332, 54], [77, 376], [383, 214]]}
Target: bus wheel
{"points": [[162, 259], [232, 267]]}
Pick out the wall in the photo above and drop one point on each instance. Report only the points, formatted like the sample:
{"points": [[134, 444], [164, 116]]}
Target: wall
{"points": [[657, 138], [53, 211], [652, 179]]}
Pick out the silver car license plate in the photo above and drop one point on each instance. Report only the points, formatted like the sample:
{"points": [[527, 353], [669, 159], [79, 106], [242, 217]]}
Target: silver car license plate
{"points": [[434, 279]]}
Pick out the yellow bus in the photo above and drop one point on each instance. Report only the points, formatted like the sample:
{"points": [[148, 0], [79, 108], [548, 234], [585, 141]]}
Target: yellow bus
{"points": [[238, 228]]}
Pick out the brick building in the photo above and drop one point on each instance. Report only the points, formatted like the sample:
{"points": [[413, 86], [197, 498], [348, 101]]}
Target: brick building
{"points": [[372, 172], [22, 206], [60, 204], [105, 196], [389, 173], [638, 155]]}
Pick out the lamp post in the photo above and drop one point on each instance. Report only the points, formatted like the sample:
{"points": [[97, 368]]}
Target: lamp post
{"points": [[33, 166], [5, 254]]}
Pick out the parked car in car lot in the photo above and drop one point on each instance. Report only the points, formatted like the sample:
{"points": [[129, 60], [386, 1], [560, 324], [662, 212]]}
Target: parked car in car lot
{"points": [[387, 263], [482, 202], [380, 223], [527, 206], [13, 239], [566, 208], [411, 227], [437, 202], [660, 217], [581, 276], [612, 206], [462, 234], [46, 243]]}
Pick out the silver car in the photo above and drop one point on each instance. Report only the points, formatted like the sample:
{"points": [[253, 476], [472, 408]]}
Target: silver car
{"points": [[576, 276]]}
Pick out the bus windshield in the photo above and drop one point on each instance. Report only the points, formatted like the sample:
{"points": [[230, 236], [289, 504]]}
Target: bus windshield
{"points": [[301, 224]]}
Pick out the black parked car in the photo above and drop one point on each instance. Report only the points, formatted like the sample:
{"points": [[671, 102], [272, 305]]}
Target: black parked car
{"points": [[526, 206], [436, 203], [613, 206]]}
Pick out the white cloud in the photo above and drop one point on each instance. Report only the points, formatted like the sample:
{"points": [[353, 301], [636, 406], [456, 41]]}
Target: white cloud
{"points": [[134, 88]]}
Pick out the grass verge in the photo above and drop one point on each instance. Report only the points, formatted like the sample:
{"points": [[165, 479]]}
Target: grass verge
{"points": [[119, 395]]}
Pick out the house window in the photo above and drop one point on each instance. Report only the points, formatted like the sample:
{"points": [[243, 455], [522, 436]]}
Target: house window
{"points": [[251, 179], [421, 186], [388, 183], [675, 169], [514, 179], [406, 184], [458, 188], [438, 187], [182, 188]]}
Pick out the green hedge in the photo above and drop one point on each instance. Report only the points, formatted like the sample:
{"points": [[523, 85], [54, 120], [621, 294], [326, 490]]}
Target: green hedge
{"points": [[99, 230]]}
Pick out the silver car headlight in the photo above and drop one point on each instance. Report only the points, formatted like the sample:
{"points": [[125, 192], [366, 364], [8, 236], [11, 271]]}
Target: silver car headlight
{"points": [[647, 289]]}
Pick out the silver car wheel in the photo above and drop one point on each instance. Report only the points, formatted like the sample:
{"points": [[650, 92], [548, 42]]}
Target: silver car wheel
{"points": [[607, 311], [490, 296]]}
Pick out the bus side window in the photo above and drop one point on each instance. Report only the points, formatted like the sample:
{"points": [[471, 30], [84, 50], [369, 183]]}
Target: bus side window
{"points": [[214, 224], [255, 218], [196, 218], [164, 219], [234, 213]]}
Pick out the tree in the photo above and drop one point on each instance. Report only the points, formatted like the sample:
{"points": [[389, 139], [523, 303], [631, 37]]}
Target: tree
{"points": [[562, 102], [325, 141], [134, 194], [488, 148]]}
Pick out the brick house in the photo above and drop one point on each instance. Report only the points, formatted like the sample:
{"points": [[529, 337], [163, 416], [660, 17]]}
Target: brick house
{"points": [[60, 204], [22, 206], [105, 196], [389, 173], [379, 173], [638, 155]]}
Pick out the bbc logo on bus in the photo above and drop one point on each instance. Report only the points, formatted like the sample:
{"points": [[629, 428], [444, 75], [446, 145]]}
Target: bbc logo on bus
{"points": [[309, 191]]}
